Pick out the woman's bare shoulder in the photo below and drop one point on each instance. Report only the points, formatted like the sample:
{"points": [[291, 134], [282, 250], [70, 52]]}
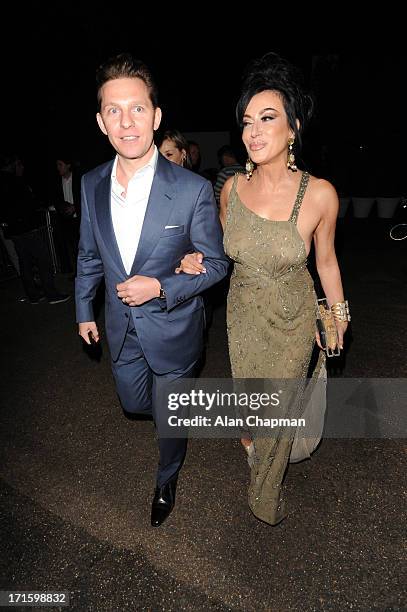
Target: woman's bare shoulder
{"points": [[224, 198], [321, 187], [322, 193], [228, 185], [226, 189]]}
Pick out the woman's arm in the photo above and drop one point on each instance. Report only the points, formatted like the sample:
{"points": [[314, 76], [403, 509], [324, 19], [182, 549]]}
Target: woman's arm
{"points": [[192, 263], [324, 240]]}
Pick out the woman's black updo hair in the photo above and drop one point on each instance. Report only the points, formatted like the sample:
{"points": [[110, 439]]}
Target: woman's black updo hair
{"points": [[272, 72]]}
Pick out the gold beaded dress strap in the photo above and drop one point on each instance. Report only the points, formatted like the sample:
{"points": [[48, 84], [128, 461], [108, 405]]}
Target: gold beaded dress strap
{"points": [[300, 196], [234, 185], [232, 198]]}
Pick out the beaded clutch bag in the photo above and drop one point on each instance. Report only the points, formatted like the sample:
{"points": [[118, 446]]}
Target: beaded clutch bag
{"points": [[326, 327]]}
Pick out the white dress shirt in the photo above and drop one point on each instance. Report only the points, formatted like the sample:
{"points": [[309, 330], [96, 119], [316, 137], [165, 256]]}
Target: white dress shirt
{"points": [[128, 210], [67, 189], [68, 193]]}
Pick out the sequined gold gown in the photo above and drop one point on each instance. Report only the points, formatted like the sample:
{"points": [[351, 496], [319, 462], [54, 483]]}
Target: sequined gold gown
{"points": [[271, 330]]}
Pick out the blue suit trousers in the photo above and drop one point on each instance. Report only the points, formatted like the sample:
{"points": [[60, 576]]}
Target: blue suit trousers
{"points": [[141, 391]]}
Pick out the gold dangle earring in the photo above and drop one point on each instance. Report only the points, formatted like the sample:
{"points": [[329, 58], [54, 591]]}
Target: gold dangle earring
{"points": [[249, 168], [291, 157]]}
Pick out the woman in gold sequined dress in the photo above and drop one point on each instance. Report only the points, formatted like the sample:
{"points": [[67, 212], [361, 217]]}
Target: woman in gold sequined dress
{"points": [[270, 217]]}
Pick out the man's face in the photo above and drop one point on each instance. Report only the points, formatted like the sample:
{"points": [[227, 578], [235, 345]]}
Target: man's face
{"points": [[63, 168], [194, 153], [127, 117]]}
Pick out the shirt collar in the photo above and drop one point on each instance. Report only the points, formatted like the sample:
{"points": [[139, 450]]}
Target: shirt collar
{"points": [[150, 165]]}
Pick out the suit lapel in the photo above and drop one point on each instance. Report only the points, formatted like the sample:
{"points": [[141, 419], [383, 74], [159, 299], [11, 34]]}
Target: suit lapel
{"points": [[104, 217], [159, 207]]}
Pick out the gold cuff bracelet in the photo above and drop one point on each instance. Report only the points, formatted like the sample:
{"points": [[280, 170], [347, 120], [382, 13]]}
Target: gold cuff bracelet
{"points": [[340, 311]]}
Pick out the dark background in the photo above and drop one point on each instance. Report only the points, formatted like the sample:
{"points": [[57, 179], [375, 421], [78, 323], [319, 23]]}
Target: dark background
{"points": [[49, 61]]}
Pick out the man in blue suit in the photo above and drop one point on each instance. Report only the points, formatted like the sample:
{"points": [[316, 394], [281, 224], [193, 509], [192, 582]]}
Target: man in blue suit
{"points": [[140, 215]]}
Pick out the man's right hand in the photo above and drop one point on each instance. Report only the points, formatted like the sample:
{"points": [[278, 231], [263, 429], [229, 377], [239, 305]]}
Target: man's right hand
{"points": [[89, 331], [191, 264]]}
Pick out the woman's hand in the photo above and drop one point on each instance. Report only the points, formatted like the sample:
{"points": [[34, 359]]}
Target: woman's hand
{"points": [[341, 326], [318, 340], [191, 264]]}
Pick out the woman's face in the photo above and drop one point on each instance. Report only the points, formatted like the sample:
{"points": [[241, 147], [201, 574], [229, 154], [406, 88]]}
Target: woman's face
{"points": [[169, 149], [265, 128]]}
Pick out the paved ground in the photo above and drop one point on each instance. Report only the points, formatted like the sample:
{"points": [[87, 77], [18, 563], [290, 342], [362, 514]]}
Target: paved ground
{"points": [[77, 476]]}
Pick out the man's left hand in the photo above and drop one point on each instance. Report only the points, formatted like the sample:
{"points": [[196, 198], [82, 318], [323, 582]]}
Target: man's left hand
{"points": [[138, 290]]}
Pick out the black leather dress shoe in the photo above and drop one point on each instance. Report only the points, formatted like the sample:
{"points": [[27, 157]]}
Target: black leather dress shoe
{"points": [[163, 502]]}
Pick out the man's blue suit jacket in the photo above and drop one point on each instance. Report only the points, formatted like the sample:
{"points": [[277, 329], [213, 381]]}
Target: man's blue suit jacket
{"points": [[169, 330]]}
